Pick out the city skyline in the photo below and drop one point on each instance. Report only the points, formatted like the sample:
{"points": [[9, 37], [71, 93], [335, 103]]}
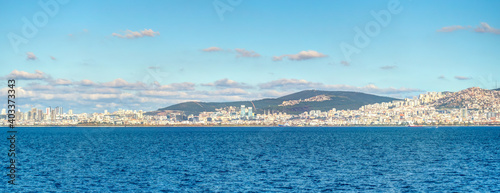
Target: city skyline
{"points": [[473, 106], [90, 56]]}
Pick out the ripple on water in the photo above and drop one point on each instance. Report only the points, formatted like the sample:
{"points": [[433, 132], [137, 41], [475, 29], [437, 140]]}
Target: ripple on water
{"points": [[258, 159]]}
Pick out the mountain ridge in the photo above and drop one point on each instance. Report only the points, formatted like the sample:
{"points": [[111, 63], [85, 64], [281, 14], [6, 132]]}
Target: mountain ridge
{"points": [[341, 100]]}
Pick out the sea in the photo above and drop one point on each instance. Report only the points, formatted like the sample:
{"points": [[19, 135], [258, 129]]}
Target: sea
{"points": [[254, 159]]}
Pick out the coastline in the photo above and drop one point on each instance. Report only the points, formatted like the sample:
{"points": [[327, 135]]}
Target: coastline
{"points": [[180, 126]]}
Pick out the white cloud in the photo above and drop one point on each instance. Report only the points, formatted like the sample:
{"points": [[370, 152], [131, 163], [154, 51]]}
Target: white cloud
{"points": [[212, 49], [462, 78], [227, 83], [486, 28], [162, 93], [99, 96], [38, 86], [303, 55], [129, 34], [149, 32], [106, 90], [482, 28], [176, 86], [158, 101], [120, 83], [246, 53], [20, 92], [278, 58], [451, 28], [62, 82], [86, 82], [30, 56], [22, 75]]}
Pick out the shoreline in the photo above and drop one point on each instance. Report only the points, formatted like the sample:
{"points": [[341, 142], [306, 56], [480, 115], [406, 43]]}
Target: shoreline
{"points": [[181, 126]]}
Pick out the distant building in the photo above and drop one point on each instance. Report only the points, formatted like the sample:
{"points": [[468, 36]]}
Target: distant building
{"points": [[243, 109], [463, 113], [250, 113]]}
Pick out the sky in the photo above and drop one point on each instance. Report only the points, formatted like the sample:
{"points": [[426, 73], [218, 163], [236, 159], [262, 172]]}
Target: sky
{"points": [[91, 56]]}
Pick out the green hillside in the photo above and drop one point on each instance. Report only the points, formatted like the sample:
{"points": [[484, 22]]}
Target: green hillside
{"points": [[341, 100]]}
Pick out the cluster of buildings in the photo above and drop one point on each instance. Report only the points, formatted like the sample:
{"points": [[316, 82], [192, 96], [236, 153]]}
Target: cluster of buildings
{"points": [[49, 115], [56, 117], [422, 110], [312, 99], [473, 106]]}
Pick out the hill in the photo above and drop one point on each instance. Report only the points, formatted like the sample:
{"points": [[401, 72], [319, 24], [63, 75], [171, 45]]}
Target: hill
{"points": [[471, 98], [296, 103]]}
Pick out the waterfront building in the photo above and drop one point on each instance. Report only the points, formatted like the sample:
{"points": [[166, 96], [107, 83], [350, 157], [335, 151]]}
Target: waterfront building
{"points": [[243, 109]]}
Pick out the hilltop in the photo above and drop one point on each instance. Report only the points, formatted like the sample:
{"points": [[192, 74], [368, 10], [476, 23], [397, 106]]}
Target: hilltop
{"points": [[295, 103], [471, 98]]}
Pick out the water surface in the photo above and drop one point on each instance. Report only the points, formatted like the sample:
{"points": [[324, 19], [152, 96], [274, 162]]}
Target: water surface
{"points": [[256, 159]]}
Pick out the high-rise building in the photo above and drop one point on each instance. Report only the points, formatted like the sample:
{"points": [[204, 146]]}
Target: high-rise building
{"points": [[47, 113], [53, 114], [4, 112], [463, 113], [139, 114], [33, 113], [39, 115], [242, 114], [25, 116], [250, 113], [59, 111], [70, 112]]}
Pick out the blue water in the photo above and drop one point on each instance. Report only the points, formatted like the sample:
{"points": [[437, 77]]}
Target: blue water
{"points": [[462, 159]]}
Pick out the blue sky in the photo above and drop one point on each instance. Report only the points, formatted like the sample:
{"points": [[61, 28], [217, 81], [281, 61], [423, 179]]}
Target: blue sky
{"points": [[96, 55]]}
